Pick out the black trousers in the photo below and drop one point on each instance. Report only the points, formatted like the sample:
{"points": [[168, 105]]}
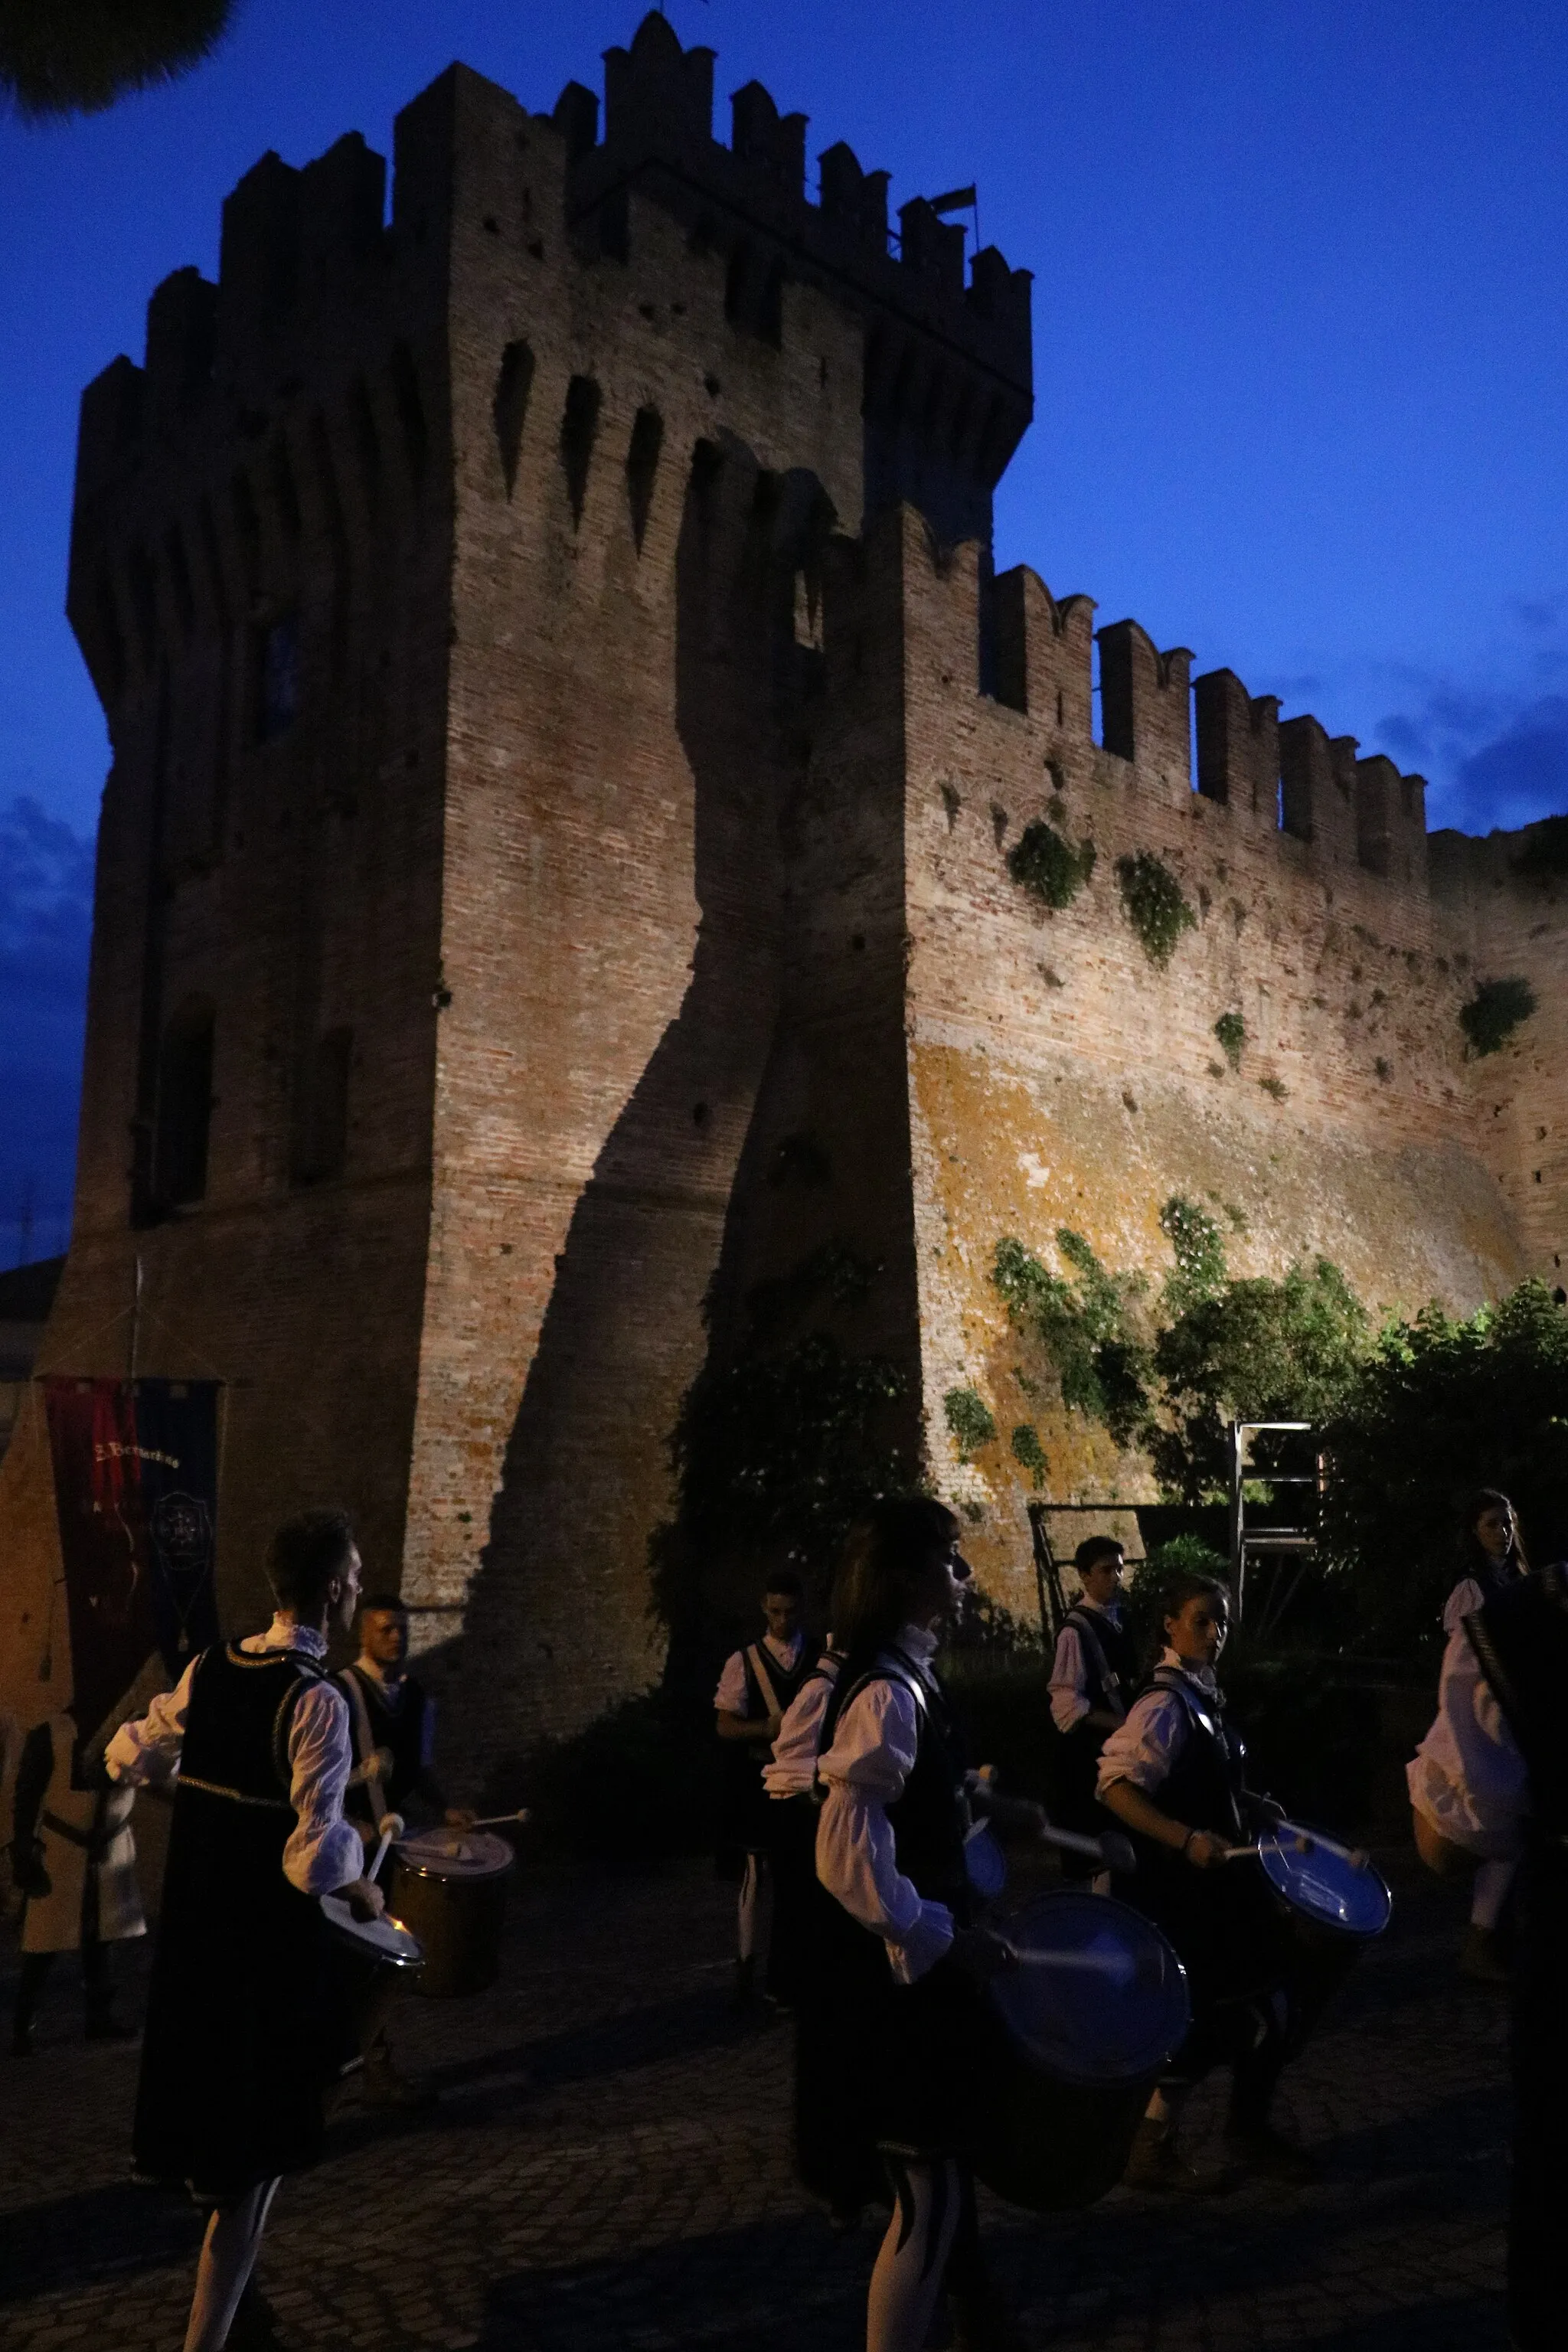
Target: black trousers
{"points": [[1536, 2234]]}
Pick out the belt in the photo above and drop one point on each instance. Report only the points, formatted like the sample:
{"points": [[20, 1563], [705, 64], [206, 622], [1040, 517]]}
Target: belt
{"points": [[94, 1843]]}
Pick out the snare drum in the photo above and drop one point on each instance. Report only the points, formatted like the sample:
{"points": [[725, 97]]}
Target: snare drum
{"points": [[1327, 1896], [386, 1941], [1082, 2027], [449, 1887]]}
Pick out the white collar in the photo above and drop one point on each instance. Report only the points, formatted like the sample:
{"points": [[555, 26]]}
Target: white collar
{"points": [[283, 1634], [787, 1653], [1201, 1677], [917, 1642], [364, 1666]]}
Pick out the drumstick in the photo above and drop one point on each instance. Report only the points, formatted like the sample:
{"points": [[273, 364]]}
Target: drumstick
{"points": [[1305, 1840], [495, 1821], [1110, 1851], [391, 1827], [1117, 1964]]}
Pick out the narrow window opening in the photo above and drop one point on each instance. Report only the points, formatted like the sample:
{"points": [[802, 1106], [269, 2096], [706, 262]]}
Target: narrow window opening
{"points": [[180, 580], [367, 440], [642, 465], [278, 677], [410, 409], [509, 408], [184, 1107], [321, 1117], [579, 425], [284, 490], [1061, 707]]}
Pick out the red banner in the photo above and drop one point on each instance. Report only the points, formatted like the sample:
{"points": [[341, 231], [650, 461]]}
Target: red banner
{"points": [[135, 1466]]}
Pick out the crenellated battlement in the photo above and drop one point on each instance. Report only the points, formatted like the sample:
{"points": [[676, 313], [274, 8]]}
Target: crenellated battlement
{"points": [[581, 783]]}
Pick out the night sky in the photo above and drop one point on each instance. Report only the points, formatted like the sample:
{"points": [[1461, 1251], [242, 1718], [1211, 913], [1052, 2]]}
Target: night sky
{"points": [[1301, 358]]}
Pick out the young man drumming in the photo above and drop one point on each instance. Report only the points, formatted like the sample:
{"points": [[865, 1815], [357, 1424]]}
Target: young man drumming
{"points": [[393, 1719], [245, 2026]]}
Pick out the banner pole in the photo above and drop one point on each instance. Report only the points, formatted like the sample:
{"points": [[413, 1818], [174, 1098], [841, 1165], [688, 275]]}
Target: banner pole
{"points": [[135, 1314]]}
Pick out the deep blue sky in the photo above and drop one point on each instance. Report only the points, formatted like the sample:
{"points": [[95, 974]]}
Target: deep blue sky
{"points": [[1300, 337]]}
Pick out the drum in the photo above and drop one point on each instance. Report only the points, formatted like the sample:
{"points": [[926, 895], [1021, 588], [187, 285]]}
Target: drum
{"points": [[450, 1887], [1082, 2029], [383, 1941], [1329, 1894]]}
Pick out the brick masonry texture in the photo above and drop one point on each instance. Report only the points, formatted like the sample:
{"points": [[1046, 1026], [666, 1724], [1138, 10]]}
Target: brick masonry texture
{"points": [[557, 683], [610, 2165]]}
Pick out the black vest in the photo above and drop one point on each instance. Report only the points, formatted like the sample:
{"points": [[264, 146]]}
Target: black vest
{"points": [[931, 1820], [235, 1746], [1204, 1785], [770, 1689], [399, 1730], [1520, 1640], [1109, 1659]]}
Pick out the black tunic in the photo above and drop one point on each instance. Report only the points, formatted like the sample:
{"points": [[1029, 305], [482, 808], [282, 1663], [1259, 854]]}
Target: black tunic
{"points": [[884, 2069], [1111, 1674], [746, 1821], [1224, 1922], [1520, 1640], [399, 1730], [244, 2022]]}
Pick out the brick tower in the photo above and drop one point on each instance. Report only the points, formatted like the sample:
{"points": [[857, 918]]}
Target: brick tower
{"points": [[553, 888]]}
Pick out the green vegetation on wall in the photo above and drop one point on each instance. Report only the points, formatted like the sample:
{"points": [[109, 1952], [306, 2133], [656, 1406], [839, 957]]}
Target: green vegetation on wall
{"points": [[971, 1420], [1029, 1454], [1494, 1013], [1045, 863], [1231, 1031], [1155, 907], [1082, 1321]]}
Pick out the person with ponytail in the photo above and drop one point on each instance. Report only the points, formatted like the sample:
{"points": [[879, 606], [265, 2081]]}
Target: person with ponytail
{"points": [[1491, 1559], [885, 2085]]}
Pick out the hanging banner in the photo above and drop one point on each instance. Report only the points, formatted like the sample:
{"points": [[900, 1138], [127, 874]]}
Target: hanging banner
{"points": [[135, 1465]]}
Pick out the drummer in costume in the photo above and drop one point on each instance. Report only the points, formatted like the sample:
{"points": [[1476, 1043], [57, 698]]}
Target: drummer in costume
{"points": [[1492, 1559], [1490, 1783], [393, 1719], [886, 2078], [789, 1777], [755, 1691], [74, 1859], [1174, 1774], [1093, 1675], [244, 2027]]}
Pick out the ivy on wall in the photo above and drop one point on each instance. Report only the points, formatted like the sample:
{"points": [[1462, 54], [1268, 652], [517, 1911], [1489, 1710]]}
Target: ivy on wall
{"points": [[1045, 863], [1231, 1031], [1494, 1013], [970, 1419], [1029, 1454], [1155, 904], [1083, 1324]]}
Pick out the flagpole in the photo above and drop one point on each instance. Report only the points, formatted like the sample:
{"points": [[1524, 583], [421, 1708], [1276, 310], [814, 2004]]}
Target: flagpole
{"points": [[136, 1313]]}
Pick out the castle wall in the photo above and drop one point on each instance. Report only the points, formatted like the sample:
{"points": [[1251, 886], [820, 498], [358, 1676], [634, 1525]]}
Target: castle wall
{"points": [[1057, 1077], [1513, 923], [264, 492], [620, 749]]}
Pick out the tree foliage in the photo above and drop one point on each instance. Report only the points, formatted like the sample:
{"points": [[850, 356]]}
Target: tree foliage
{"points": [[1252, 1349], [1082, 1321], [78, 57], [1437, 1408]]}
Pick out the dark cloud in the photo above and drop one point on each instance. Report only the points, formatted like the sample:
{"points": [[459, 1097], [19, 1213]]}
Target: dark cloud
{"points": [[46, 927], [1520, 775]]}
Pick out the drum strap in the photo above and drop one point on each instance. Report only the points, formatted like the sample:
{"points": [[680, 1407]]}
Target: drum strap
{"points": [[369, 1773], [759, 1662]]}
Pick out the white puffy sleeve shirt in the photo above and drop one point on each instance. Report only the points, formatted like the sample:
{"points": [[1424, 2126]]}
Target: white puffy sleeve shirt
{"points": [[1144, 1749], [323, 1851], [863, 1773], [792, 1767], [1468, 1777]]}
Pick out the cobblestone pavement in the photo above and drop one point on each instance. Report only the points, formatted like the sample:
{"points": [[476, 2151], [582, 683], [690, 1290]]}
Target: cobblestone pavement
{"points": [[608, 2171]]}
